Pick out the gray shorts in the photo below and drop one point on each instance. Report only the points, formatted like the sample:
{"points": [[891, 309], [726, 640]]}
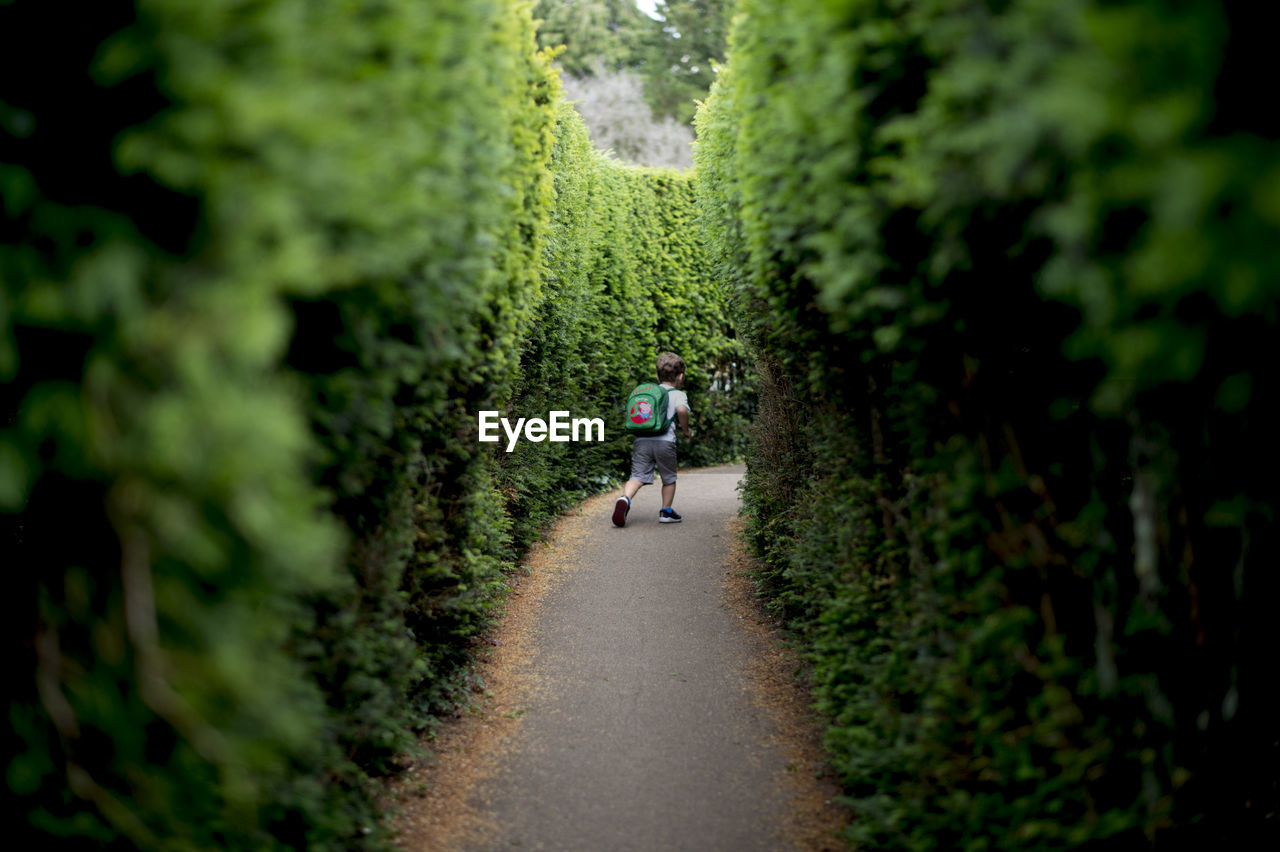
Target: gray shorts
{"points": [[649, 452]]}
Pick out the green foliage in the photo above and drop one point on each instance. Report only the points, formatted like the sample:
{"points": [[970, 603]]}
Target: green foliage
{"points": [[676, 53], [681, 52], [1006, 269], [262, 264], [626, 278], [595, 34]]}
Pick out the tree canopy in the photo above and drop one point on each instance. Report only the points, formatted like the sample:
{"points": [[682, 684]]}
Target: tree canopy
{"points": [[597, 35], [681, 51], [675, 54]]}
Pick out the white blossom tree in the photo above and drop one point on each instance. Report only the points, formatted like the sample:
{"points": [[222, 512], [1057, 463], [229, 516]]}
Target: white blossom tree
{"points": [[618, 118]]}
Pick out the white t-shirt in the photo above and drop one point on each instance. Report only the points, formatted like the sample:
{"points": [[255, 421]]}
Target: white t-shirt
{"points": [[674, 398]]}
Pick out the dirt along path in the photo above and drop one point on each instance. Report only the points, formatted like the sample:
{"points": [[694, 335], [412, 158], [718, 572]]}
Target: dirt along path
{"points": [[638, 700]]}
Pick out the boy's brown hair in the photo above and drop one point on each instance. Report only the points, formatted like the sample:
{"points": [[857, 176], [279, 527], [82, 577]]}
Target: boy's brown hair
{"points": [[670, 366]]}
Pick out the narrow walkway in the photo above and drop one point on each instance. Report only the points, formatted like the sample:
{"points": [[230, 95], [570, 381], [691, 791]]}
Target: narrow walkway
{"points": [[639, 736], [635, 729]]}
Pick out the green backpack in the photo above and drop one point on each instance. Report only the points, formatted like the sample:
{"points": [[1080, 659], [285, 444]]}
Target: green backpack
{"points": [[647, 414]]}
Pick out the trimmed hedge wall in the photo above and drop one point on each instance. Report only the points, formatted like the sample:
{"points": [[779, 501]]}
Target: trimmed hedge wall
{"points": [[262, 265], [626, 277], [1008, 268]]}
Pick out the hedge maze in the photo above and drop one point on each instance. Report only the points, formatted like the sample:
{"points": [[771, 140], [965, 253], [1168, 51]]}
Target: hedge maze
{"points": [[1002, 274], [262, 266], [1009, 268]]}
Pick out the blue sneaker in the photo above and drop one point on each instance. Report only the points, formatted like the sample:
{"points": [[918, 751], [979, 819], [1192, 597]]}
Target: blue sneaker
{"points": [[669, 516], [620, 510]]}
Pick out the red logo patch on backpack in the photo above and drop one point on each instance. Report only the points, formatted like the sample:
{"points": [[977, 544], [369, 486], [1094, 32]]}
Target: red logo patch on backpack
{"points": [[647, 411]]}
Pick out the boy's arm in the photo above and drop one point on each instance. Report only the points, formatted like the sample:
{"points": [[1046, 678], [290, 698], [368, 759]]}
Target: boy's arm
{"points": [[682, 417]]}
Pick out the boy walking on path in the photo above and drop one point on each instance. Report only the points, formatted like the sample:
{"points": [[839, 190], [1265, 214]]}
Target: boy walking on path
{"points": [[660, 450]]}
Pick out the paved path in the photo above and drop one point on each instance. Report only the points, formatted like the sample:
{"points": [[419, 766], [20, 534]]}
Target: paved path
{"points": [[639, 736]]}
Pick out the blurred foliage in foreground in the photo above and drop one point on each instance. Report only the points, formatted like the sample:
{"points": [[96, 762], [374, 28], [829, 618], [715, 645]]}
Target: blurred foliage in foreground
{"points": [[262, 263], [1011, 271]]}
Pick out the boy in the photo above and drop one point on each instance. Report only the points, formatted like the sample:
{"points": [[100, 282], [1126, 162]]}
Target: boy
{"points": [[659, 450]]}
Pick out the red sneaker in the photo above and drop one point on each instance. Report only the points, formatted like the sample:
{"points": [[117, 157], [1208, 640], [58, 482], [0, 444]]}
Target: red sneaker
{"points": [[620, 510]]}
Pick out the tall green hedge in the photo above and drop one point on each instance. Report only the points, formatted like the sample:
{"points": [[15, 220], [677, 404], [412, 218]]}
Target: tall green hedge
{"points": [[1008, 272], [262, 264], [626, 278]]}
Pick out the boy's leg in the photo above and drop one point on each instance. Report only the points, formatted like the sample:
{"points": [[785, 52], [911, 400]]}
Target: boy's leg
{"points": [[666, 463], [642, 464]]}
